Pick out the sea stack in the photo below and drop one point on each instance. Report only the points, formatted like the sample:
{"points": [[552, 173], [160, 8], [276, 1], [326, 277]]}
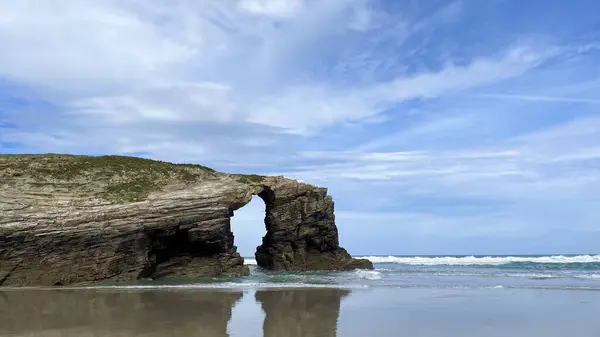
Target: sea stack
{"points": [[68, 220]]}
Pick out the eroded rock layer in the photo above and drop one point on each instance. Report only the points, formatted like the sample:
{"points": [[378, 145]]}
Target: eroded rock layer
{"points": [[301, 231], [78, 220]]}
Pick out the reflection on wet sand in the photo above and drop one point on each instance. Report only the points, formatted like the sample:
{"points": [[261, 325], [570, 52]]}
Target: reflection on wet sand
{"points": [[85, 313], [153, 313], [301, 312]]}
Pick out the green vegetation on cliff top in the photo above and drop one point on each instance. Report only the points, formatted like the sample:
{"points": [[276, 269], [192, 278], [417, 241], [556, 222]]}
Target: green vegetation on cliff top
{"points": [[250, 178], [116, 179]]}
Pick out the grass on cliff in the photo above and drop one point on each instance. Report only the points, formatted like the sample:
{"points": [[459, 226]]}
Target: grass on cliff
{"points": [[122, 179], [250, 178]]}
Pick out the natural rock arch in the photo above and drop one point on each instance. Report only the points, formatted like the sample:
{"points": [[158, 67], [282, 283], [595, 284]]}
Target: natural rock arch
{"points": [[55, 230]]}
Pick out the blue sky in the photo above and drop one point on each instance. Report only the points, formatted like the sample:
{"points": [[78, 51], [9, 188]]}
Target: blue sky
{"points": [[439, 127]]}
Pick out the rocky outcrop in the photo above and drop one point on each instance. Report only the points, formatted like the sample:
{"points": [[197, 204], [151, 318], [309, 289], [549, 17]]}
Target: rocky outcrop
{"points": [[301, 230], [78, 220]]}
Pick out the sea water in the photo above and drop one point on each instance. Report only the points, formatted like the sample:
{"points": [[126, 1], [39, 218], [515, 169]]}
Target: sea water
{"points": [[566, 272]]}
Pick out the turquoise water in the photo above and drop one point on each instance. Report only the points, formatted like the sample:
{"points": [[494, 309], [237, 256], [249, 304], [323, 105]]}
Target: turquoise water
{"points": [[551, 272], [575, 272]]}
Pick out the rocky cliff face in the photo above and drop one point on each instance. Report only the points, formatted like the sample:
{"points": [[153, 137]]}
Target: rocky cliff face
{"points": [[301, 230], [77, 220]]}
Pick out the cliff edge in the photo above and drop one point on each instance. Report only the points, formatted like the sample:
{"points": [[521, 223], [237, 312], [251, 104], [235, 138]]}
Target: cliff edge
{"points": [[83, 220]]}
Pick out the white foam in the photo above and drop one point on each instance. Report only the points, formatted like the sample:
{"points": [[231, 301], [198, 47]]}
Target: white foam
{"points": [[249, 261], [559, 275], [488, 260], [368, 274], [533, 275], [588, 276]]}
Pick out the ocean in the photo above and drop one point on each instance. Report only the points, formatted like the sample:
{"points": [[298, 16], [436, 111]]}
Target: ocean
{"points": [[540, 272], [549, 296], [559, 272]]}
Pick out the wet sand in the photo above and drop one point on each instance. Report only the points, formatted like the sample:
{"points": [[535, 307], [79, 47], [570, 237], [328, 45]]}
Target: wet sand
{"points": [[115, 313], [83, 312], [304, 312]]}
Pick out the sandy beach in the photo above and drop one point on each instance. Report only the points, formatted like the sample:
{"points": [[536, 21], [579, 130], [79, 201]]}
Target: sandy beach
{"points": [[299, 312]]}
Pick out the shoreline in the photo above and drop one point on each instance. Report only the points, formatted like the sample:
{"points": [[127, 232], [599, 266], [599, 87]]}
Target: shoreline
{"points": [[296, 312]]}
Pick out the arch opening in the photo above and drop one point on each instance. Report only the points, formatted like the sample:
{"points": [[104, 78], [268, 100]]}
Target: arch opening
{"points": [[248, 228]]}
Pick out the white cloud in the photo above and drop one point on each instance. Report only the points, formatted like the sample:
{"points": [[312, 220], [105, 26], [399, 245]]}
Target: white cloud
{"points": [[559, 163], [182, 102], [275, 8], [137, 60], [541, 98], [436, 128], [301, 108], [429, 224], [413, 165], [56, 43], [448, 13]]}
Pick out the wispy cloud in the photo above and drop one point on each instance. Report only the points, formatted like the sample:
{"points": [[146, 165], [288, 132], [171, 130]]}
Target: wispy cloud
{"points": [[555, 163], [133, 82], [541, 98], [307, 107], [275, 8]]}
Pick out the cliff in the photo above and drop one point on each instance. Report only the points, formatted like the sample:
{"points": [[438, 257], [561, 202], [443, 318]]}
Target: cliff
{"points": [[80, 219]]}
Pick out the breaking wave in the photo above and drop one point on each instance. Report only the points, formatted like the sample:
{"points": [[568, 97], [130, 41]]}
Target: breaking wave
{"points": [[368, 274], [483, 260]]}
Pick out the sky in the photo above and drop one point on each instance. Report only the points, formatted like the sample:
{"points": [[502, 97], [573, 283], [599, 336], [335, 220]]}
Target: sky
{"points": [[439, 127]]}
